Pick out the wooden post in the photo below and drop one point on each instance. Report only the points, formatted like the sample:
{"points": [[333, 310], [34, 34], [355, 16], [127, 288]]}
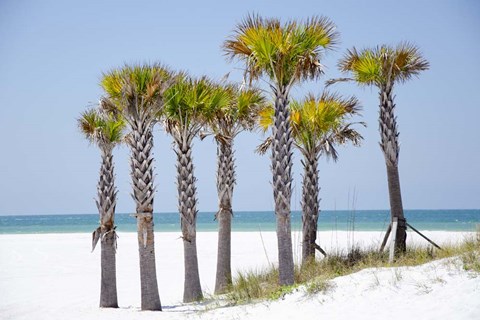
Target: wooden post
{"points": [[385, 239], [424, 237], [320, 249], [394, 239]]}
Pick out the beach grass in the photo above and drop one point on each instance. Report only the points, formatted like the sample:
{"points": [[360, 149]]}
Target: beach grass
{"points": [[260, 285]]}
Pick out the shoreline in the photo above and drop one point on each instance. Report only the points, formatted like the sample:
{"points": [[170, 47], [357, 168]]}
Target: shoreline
{"points": [[233, 231]]}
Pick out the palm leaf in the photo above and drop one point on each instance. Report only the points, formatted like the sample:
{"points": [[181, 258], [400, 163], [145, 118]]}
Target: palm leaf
{"points": [[286, 53]]}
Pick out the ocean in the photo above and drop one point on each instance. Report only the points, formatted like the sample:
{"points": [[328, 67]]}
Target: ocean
{"points": [[360, 220]]}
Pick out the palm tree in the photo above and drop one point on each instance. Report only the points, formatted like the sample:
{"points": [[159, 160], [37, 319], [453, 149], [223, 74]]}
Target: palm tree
{"points": [[106, 132], [286, 54], [382, 67], [136, 92], [188, 104], [318, 125], [226, 122]]}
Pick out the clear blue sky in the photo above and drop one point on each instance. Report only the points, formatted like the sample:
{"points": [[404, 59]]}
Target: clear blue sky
{"points": [[52, 54]]}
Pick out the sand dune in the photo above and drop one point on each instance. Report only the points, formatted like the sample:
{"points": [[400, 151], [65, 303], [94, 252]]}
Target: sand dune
{"points": [[54, 276]]}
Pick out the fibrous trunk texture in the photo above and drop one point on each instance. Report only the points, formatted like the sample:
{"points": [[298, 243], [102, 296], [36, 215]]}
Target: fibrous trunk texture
{"points": [[390, 147], [106, 203], [282, 185], [310, 205], [141, 144], [187, 206], [225, 184], [108, 290]]}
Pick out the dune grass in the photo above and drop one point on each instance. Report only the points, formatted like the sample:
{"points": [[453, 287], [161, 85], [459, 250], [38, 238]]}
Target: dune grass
{"points": [[259, 285]]}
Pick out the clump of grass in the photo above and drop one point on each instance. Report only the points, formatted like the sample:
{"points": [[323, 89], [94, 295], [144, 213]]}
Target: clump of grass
{"points": [[315, 274], [254, 284], [318, 285]]}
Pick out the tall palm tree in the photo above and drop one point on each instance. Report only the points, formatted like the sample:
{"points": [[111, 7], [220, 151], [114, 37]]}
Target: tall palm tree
{"points": [[286, 54], [382, 67], [188, 103], [225, 123], [136, 92], [106, 132], [318, 125]]}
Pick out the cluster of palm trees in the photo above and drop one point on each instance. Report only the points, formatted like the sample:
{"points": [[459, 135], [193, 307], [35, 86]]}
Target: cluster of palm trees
{"points": [[284, 55]]}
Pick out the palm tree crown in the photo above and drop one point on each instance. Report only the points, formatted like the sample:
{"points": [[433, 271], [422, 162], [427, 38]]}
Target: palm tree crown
{"points": [[384, 64], [287, 52], [320, 123], [136, 91], [105, 131], [190, 103], [240, 113]]}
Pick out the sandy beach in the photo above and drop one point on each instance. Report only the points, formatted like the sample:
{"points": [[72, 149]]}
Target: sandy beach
{"points": [[55, 276]]}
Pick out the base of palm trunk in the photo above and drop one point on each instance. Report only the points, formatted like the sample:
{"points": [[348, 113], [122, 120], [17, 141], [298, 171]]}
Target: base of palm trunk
{"points": [[224, 272], [108, 288], [396, 208], [148, 273], [401, 237], [192, 289], [308, 251], [285, 254]]}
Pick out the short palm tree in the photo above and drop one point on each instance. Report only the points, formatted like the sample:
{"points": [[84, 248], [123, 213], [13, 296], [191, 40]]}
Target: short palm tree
{"points": [[383, 67], [188, 103], [286, 54], [105, 132], [136, 92], [225, 123], [318, 125]]}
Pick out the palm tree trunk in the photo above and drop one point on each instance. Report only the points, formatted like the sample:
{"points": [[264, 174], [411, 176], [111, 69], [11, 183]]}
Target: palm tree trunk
{"points": [[310, 205], [396, 208], [187, 205], [141, 144], [282, 185], [108, 289], [106, 203], [225, 184], [390, 147]]}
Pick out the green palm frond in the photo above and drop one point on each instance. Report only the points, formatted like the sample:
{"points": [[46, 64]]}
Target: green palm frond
{"points": [[134, 89], [190, 103], [319, 123], [101, 129], [409, 61], [88, 123], [383, 64], [287, 52]]}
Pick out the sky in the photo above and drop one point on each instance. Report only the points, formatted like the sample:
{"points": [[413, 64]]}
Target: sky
{"points": [[53, 53]]}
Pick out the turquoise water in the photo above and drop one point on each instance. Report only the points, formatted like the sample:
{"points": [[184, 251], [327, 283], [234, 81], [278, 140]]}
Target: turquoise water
{"points": [[362, 220]]}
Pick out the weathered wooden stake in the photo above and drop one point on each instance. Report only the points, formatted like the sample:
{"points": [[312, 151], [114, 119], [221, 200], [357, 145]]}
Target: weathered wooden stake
{"points": [[385, 239], [394, 238], [424, 237], [320, 249]]}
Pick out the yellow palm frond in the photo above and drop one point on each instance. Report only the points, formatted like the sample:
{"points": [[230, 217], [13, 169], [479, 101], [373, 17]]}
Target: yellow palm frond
{"points": [[314, 119], [383, 64], [265, 119], [287, 52]]}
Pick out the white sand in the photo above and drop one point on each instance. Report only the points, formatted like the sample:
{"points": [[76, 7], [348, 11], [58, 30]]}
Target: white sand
{"points": [[54, 276]]}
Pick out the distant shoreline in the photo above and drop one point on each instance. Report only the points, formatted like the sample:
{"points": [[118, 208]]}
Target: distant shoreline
{"points": [[247, 221]]}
